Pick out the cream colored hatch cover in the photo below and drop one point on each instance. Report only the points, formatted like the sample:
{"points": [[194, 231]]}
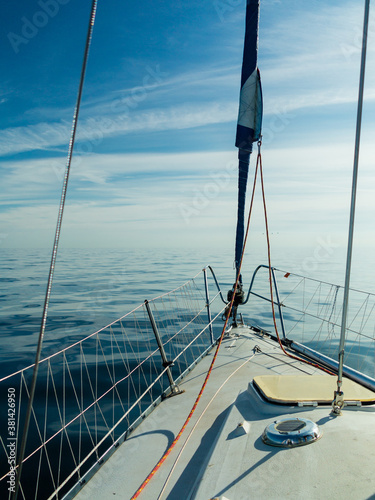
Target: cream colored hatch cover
{"points": [[290, 389]]}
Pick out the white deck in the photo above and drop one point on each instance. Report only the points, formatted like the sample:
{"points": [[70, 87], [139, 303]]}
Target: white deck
{"points": [[219, 462]]}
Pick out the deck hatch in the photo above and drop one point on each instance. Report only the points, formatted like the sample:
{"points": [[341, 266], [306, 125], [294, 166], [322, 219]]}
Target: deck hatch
{"points": [[292, 425], [313, 389], [291, 432]]}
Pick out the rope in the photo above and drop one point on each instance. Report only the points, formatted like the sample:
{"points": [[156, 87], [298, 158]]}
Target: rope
{"points": [[164, 457], [270, 274], [166, 454], [55, 247], [168, 451], [197, 422]]}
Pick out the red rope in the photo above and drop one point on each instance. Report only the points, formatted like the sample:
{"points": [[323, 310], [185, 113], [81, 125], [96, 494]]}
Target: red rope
{"points": [[270, 278], [164, 457], [166, 454]]}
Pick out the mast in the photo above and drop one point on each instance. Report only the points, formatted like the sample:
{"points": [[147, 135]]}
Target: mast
{"points": [[249, 116], [339, 395], [248, 131]]}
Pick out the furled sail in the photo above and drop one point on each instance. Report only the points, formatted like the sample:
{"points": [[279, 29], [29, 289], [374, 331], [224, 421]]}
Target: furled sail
{"points": [[249, 116]]}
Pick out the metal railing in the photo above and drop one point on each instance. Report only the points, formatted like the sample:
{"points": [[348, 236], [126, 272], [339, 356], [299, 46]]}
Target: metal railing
{"points": [[92, 394], [308, 314]]}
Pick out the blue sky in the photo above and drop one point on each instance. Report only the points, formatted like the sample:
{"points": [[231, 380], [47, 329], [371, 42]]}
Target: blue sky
{"points": [[155, 162]]}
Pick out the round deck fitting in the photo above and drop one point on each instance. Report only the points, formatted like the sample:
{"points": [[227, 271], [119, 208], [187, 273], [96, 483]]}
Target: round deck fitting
{"points": [[291, 432]]}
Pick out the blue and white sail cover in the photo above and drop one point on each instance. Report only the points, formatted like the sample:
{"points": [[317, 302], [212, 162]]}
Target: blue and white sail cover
{"points": [[250, 111]]}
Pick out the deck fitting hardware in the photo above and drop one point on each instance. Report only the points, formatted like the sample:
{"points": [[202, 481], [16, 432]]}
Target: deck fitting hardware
{"points": [[353, 403], [175, 391], [338, 403], [165, 363], [287, 342], [242, 428], [291, 432], [168, 363]]}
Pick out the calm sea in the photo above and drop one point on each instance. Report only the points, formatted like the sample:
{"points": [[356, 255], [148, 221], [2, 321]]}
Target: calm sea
{"points": [[92, 288]]}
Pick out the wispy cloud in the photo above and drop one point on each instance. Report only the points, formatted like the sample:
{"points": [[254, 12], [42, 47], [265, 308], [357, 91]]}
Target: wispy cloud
{"points": [[134, 197], [309, 62], [299, 71], [122, 197], [44, 136], [110, 177]]}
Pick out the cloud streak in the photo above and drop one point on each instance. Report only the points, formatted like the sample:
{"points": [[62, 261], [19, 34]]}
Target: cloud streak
{"points": [[301, 71], [44, 136], [309, 83], [138, 196]]}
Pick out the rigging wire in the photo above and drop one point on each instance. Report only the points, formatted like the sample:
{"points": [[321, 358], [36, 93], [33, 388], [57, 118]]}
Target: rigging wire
{"points": [[55, 248], [259, 168], [168, 451], [339, 394], [316, 365]]}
